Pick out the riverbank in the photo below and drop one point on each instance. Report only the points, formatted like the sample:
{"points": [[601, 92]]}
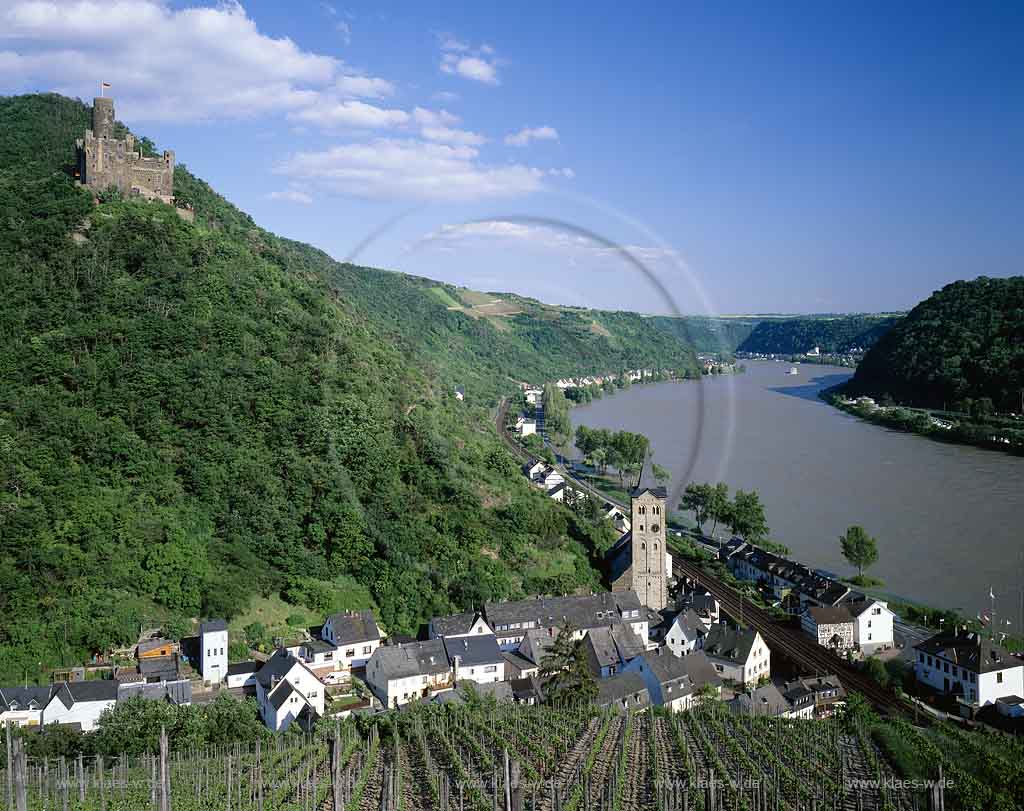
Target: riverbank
{"points": [[996, 434]]}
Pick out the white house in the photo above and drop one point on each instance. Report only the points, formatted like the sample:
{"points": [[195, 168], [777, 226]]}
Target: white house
{"points": [[832, 628], [965, 664], [468, 623], [242, 674], [686, 632], [533, 469], [873, 622], [398, 674], [475, 658], [740, 655], [22, 706], [675, 682], [286, 691], [213, 651], [526, 427], [355, 635], [534, 396], [80, 702], [549, 477], [558, 492]]}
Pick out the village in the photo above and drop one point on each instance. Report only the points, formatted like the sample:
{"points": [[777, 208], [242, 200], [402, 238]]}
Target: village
{"points": [[654, 640]]}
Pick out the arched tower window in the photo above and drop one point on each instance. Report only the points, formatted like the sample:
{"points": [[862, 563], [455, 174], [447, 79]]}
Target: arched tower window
{"points": [[643, 546]]}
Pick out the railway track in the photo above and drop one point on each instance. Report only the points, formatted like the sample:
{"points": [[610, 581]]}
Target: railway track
{"points": [[795, 645]]}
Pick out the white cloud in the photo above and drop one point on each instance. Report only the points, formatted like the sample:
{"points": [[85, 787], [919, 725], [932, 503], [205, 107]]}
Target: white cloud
{"points": [[446, 95], [434, 118], [367, 87], [458, 58], [388, 168], [450, 135], [343, 114], [470, 67], [164, 63], [291, 196], [345, 30], [549, 237], [527, 134]]}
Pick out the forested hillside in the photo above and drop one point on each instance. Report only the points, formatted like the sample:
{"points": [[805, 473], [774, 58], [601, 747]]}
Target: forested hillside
{"points": [[792, 336], [194, 414], [964, 342]]}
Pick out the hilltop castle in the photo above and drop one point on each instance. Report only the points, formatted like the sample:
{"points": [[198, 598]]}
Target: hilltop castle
{"points": [[105, 161]]}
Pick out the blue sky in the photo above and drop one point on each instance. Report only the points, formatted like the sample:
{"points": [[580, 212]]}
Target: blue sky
{"points": [[793, 158]]}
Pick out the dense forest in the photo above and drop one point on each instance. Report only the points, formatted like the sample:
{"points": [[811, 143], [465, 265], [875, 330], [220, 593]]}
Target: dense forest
{"points": [[192, 415], [793, 336], [964, 343]]}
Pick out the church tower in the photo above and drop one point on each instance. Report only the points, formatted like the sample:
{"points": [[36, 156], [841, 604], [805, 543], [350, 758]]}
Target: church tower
{"points": [[650, 581]]}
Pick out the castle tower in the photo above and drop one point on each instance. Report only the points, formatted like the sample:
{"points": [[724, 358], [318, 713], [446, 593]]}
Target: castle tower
{"points": [[649, 577], [103, 117]]}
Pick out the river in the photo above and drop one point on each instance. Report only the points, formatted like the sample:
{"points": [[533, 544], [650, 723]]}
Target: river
{"points": [[947, 517]]}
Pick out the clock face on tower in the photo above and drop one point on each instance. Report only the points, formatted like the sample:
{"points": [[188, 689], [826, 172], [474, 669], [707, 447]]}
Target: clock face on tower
{"points": [[655, 527]]}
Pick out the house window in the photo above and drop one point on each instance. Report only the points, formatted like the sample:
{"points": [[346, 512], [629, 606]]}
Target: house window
{"points": [[491, 669], [999, 677], [367, 648], [350, 652]]}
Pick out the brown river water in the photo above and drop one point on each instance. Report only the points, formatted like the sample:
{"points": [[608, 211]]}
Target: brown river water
{"points": [[948, 518]]}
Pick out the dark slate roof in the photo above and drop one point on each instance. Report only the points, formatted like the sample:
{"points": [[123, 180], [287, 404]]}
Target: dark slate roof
{"points": [[723, 642], [518, 661], [830, 615], [473, 650], [526, 688], [1010, 701], [237, 668], [500, 691], [620, 556], [765, 700], [535, 645], [815, 686], [354, 626], [860, 606], [212, 625], [174, 692], [690, 622], [591, 611], [316, 645], [620, 686], [970, 650], [23, 698], [700, 670], [281, 693], [600, 648], [414, 659], [657, 492], [628, 643], [72, 693], [159, 667], [276, 667], [453, 624]]}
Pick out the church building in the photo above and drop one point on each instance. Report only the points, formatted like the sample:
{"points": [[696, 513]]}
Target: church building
{"points": [[640, 561]]}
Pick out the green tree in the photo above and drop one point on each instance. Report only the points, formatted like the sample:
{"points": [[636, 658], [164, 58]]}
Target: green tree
{"points": [[566, 673], [745, 516], [859, 548], [662, 475]]}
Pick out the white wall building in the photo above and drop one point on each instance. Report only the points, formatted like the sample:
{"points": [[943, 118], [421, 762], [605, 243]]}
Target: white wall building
{"points": [[286, 691], [739, 655], [966, 664], [355, 635], [23, 706], [398, 674], [686, 633], [832, 628], [213, 651], [475, 658], [80, 702], [873, 621]]}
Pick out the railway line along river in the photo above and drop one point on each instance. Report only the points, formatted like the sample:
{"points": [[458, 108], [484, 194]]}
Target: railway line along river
{"points": [[948, 518]]}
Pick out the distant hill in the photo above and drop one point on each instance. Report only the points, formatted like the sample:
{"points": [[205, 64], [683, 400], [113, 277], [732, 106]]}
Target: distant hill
{"points": [[841, 333], [195, 414], [965, 341]]}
